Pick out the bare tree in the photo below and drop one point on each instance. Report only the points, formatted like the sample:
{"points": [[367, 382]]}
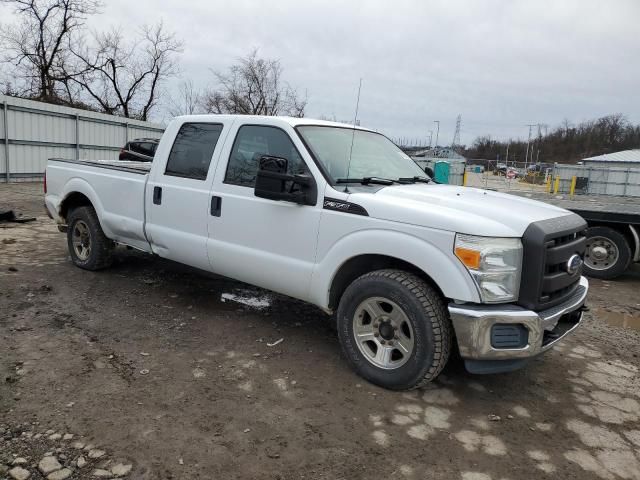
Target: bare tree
{"points": [[188, 100], [37, 46], [126, 77], [254, 87]]}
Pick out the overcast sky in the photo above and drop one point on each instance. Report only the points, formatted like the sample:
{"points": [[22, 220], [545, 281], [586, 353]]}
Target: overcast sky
{"points": [[500, 64]]}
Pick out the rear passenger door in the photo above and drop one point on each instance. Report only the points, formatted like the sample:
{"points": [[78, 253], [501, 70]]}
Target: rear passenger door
{"points": [[177, 195]]}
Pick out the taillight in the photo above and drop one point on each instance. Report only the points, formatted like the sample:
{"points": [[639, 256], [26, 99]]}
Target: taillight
{"points": [[45, 182]]}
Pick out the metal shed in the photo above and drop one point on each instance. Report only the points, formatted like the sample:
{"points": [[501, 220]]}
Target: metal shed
{"points": [[31, 132], [622, 159]]}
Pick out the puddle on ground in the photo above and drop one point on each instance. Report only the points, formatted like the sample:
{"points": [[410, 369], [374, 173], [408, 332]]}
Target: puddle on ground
{"points": [[618, 319], [252, 301]]}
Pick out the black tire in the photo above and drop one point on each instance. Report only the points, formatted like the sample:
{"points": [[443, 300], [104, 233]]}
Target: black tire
{"points": [[100, 254], [424, 309], [612, 266]]}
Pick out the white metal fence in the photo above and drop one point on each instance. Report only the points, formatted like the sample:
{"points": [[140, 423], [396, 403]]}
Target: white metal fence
{"points": [[32, 132], [598, 180]]}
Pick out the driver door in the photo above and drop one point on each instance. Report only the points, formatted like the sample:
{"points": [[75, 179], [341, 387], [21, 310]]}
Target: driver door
{"points": [[260, 241]]}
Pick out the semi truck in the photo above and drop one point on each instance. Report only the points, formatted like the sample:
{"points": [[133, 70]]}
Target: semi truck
{"points": [[613, 233]]}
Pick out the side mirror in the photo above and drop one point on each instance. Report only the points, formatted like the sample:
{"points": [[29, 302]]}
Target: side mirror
{"points": [[429, 172], [274, 183]]}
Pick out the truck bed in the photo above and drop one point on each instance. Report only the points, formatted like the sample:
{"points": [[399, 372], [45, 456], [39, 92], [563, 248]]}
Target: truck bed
{"points": [[116, 189], [125, 165], [593, 207]]}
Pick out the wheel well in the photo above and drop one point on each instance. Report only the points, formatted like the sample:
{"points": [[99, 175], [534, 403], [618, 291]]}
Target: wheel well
{"points": [[621, 228], [358, 266], [73, 200]]}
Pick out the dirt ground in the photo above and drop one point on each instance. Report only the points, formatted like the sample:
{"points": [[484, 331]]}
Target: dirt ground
{"points": [[150, 370]]}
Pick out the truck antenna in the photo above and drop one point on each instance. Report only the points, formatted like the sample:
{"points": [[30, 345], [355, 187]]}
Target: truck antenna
{"points": [[353, 134]]}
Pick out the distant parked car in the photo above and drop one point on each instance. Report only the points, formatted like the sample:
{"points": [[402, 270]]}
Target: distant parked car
{"points": [[139, 150], [501, 169], [539, 168]]}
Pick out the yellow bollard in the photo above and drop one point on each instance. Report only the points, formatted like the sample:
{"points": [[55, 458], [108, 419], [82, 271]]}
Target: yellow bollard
{"points": [[548, 183], [572, 189], [556, 185], [464, 179]]}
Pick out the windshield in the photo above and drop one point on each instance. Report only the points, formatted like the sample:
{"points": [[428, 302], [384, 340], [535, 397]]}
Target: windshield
{"points": [[373, 155]]}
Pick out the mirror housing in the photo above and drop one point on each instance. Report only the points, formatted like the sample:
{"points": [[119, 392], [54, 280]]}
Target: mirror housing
{"points": [[274, 183], [429, 171]]}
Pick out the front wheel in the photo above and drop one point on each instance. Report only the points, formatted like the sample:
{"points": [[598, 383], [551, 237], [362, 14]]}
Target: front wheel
{"points": [[394, 329], [607, 253]]}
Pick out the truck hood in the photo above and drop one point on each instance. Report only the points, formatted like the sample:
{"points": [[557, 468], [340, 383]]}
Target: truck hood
{"points": [[459, 209]]}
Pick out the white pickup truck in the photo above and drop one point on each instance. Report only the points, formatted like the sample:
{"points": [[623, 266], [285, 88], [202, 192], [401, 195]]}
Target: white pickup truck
{"points": [[340, 217]]}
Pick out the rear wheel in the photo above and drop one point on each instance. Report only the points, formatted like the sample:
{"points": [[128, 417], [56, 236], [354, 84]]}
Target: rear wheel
{"points": [[394, 329], [88, 246], [607, 254]]}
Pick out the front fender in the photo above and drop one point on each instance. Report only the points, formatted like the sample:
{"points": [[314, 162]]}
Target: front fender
{"points": [[437, 261]]}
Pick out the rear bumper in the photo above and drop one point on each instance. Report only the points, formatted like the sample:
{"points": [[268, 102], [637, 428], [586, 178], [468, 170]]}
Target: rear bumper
{"points": [[502, 338]]}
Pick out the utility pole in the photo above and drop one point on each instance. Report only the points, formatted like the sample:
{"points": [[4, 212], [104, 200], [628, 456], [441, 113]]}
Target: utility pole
{"points": [[506, 160], [437, 131], [526, 158], [430, 137]]}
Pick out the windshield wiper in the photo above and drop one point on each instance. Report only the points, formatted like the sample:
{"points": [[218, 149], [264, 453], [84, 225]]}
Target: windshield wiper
{"points": [[414, 180], [368, 180]]}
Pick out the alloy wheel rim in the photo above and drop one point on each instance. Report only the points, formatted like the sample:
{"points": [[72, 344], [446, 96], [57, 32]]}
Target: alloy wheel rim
{"points": [[383, 333], [81, 239]]}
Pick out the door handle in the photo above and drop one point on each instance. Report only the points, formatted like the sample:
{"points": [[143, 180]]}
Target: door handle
{"points": [[216, 206], [157, 195]]}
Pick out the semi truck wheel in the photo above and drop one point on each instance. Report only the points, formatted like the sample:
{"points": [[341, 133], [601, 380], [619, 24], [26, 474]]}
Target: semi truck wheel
{"points": [[89, 247], [607, 253], [394, 329]]}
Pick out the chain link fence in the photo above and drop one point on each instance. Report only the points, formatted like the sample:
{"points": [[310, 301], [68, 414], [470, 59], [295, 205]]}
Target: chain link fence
{"points": [[558, 178], [493, 175]]}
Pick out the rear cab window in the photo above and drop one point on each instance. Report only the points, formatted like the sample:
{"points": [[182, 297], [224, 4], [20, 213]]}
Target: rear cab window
{"points": [[192, 150]]}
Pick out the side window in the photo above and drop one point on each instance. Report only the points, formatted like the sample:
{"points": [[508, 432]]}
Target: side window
{"points": [[251, 143], [147, 149], [192, 150]]}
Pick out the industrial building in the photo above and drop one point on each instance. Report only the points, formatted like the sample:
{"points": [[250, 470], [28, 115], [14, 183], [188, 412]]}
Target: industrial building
{"points": [[623, 159]]}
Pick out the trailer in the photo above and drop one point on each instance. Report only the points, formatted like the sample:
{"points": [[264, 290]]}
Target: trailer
{"points": [[613, 235]]}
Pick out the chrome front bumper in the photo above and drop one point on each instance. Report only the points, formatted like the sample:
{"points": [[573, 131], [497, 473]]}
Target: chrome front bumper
{"points": [[474, 327]]}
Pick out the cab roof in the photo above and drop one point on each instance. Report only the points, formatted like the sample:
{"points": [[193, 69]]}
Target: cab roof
{"points": [[268, 120]]}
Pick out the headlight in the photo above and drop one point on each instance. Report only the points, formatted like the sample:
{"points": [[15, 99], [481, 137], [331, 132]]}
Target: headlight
{"points": [[494, 264]]}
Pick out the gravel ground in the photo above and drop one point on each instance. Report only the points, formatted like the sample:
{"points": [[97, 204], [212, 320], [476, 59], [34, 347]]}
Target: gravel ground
{"points": [[151, 370]]}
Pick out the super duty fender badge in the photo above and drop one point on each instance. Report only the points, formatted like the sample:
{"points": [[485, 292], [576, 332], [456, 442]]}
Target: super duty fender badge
{"points": [[342, 206]]}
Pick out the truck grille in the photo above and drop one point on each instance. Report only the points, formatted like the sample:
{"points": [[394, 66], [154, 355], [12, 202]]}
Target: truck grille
{"points": [[548, 245]]}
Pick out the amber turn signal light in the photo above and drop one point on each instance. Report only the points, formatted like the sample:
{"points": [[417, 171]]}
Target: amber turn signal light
{"points": [[471, 258]]}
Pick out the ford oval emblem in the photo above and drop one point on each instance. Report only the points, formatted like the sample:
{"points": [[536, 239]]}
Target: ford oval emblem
{"points": [[574, 264]]}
